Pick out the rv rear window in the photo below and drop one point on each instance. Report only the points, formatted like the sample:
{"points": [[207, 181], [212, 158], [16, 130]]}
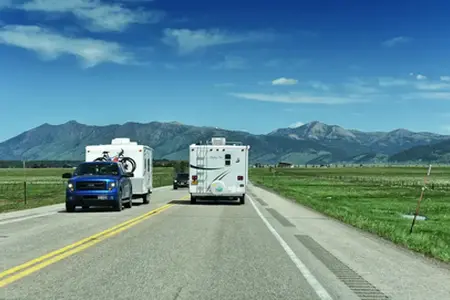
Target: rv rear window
{"points": [[227, 156], [227, 162]]}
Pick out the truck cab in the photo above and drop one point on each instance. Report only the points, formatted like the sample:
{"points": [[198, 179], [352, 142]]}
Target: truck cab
{"points": [[98, 184], [181, 180]]}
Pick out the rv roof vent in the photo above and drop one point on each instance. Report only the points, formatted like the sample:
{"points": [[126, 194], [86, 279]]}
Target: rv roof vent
{"points": [[218, 141], [120, 141]]}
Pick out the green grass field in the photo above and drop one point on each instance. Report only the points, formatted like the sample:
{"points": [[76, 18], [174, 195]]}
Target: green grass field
{"points": [[45, 186], [373, 199]]}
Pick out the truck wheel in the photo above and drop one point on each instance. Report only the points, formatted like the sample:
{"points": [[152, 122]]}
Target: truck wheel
{"points": [[175, 187], [129, 204], [118, 205], [242, 199], [145, 198], [70, 207], [193, 200]]}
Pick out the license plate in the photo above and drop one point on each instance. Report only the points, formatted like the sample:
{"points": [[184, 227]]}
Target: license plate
{"points": [[102, 197]]}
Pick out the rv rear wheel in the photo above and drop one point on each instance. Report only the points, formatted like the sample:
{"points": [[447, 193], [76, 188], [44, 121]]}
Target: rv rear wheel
{"points": [[145, 199], [193, 200], [242, 199]]}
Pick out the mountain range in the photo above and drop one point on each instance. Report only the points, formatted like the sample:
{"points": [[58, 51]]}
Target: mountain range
{"points": [[312, 143]]}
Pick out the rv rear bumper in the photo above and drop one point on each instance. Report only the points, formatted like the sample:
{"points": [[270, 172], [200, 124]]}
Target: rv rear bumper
{"points": [[224, 195]]}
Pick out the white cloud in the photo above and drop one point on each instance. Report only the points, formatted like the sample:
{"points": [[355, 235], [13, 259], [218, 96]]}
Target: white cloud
{"points": [[396, 41], [299, 98], [100, 16], [358, 86], [435, 95], [284, 81], [319, 85], [432, 86], [296, 124], [50, 45], [427, 95], [230, 63], [187, 40], [5, 3], [421, 77], [390, 81], [445, 78]]}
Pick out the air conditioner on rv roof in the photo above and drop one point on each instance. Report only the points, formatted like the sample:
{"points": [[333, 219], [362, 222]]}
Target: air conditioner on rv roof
{"points": [[218, 141], [122, 141]]}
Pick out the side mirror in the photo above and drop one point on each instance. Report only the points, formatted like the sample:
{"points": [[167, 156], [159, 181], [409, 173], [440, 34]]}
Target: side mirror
{"points": [[129, 174], [67, 175]]}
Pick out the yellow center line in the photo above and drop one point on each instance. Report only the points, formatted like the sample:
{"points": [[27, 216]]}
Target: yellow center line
{"points": [[41, 262]]}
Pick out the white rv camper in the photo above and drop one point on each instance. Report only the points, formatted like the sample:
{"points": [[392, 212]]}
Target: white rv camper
{"points": [[137, 159], [218, 169]]}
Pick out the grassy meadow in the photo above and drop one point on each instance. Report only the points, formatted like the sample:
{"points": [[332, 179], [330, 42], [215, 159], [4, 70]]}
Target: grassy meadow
{"points": [[373, 199], [39, 187]]}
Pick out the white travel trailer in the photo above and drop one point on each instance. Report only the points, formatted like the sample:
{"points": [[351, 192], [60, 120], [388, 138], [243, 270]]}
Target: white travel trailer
{"points": [[218, 169], [137, 159]]}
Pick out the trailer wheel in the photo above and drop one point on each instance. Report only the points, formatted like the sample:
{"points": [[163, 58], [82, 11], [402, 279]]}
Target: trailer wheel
{"points": [[145, 198], [242, 200], [193, 200]]}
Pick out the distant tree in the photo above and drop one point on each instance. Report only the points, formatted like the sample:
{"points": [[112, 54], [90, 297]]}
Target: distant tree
{"points": [[184, 165]]}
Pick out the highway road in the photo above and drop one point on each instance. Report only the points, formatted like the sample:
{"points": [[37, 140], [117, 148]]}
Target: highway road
{"points": [[269, 248]]}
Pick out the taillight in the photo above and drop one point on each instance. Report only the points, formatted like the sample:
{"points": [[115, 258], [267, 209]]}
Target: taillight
{"points": [[240, 178], [194, 177]]}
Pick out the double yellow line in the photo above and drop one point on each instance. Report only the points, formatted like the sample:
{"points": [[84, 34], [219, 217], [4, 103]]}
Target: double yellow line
{"points": [[25, 269]]}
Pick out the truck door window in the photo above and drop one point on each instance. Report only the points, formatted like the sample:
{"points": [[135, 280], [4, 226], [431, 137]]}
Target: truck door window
{"points": [[227, 159]]}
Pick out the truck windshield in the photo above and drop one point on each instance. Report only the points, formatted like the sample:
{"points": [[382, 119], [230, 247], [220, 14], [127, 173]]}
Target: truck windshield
{"points": [[97, 169], [182, 176]]}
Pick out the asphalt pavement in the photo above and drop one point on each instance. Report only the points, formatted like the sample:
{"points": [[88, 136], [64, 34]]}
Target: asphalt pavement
{"points": [[269, 248]]}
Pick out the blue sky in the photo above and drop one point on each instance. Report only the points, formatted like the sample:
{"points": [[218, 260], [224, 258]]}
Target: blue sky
{"points": [[369, 65]]}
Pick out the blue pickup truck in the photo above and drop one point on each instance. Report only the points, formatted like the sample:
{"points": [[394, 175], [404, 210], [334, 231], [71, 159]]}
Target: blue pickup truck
{"points": [[98, 184]]}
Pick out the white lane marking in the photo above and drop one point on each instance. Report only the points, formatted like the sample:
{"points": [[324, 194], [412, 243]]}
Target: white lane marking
{"points": [[20, 219], [315, 284]]}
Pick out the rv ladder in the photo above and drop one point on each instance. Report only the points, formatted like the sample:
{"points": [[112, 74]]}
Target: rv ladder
{"points": [[202, 161]]}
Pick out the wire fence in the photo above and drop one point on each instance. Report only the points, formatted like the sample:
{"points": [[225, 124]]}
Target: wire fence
{"points": [[17, 194], [438, 184]]}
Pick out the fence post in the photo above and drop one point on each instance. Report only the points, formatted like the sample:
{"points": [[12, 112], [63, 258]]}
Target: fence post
{"points": [[25, 192]]}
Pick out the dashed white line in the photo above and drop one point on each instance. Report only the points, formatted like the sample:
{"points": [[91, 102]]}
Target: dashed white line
{"points": [[315, 284]]}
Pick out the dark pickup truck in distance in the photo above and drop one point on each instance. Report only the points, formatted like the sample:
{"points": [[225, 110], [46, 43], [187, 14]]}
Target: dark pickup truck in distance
{"points": [[181, 180], [98, 184]]}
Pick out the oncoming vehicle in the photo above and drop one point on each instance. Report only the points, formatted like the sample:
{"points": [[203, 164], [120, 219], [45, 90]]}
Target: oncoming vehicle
{"points": [[99, 184], [181, 180]]}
